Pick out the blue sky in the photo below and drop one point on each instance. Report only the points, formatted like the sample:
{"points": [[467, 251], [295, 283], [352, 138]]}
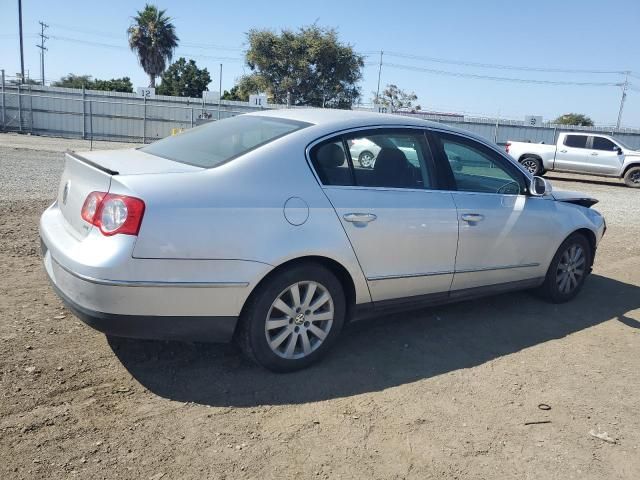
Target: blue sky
{"points": [[576, 35]]}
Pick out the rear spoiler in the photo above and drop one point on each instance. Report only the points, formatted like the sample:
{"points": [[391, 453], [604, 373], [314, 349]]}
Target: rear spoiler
{"points": [[89, 162]]}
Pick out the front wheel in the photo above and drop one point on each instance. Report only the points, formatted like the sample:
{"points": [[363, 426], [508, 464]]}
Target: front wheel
{"points": [[532, 165], [293, 318], [632, 177], [568, 270]]}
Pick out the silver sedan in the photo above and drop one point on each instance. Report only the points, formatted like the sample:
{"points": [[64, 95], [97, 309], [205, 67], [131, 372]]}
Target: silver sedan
{"points": [[264, 229]]}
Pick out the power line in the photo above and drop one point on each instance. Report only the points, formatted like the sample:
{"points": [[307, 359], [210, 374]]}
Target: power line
{"points": [[500, 66], [501, 79]]}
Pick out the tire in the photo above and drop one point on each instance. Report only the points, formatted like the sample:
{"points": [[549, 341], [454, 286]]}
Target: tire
{"points": [[366, 159], [533, 165], [287, 328], [632, 177], [568, 270]]}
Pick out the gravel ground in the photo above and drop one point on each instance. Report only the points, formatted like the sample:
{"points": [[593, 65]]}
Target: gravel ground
{"points": [[444, 393]]}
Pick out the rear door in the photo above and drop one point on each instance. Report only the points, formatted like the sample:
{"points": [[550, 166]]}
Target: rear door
{"points": [[572, 154], [403, 229]]}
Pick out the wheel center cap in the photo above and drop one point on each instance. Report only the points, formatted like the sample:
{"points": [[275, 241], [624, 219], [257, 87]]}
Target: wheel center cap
{"points": [[299, 320]]}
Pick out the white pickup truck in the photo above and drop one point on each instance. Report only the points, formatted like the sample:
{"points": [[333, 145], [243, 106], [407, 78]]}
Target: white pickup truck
{"points": [[586, 153]]}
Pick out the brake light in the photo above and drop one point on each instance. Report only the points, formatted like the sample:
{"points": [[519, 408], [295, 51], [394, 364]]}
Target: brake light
{"points": [[507, 147], [113, 214]]}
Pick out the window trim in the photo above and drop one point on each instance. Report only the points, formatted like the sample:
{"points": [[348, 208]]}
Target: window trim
{"points": [[506, 163]]}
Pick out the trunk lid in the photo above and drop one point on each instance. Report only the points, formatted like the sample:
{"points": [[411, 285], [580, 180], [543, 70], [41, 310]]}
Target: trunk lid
{"points": [[92, 172]]}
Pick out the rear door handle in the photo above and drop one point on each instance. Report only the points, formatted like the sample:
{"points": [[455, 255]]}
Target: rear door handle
{"points": [[472, 217], [359, 217], [563, 151]]}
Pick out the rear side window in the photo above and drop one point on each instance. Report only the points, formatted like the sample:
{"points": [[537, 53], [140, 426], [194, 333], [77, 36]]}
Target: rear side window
{"points": [[218, 142], [601, 143], [390, 159], [576, 141]]}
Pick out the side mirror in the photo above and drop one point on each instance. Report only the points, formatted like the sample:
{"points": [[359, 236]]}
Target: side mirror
{"points": [[619, 150], [539, 187]]}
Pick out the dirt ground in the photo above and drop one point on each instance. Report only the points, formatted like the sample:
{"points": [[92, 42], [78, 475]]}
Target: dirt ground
{"points": [[445, 393]]}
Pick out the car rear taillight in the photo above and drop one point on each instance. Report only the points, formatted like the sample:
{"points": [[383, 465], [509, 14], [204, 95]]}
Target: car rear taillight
{"points": [[507, 147], [113, 214]]}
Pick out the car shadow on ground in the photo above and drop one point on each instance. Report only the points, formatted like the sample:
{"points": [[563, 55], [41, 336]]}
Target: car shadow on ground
{"points": [[590, 180], [376, 354]]}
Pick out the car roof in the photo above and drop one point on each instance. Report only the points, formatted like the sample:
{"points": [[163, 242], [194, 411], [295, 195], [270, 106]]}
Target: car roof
{"points": [[325, 116], [333, 120]]}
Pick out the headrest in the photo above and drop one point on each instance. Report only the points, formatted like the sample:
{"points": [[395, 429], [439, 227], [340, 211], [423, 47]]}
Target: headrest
{"points": [[330, 155]]}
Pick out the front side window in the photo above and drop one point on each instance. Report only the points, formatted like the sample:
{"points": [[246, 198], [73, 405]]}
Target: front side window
{"points": [[477, 168], [601, 143], [576, 141], [391, 159], [218, 142]]}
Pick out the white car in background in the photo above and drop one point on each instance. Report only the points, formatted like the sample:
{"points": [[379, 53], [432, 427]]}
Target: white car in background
{"points": [[364, 150]]}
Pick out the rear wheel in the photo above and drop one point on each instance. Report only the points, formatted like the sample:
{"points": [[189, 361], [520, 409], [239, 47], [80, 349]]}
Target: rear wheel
{"points": [[293, 319], [568, 269], [533, 165], [632, 177]]}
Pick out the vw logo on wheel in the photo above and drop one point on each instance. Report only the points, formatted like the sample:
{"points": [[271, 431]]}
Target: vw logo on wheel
{"points": [[65, 192]]}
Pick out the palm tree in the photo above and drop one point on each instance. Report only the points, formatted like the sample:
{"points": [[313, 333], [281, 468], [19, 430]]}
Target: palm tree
{"points": [[153, 38]]}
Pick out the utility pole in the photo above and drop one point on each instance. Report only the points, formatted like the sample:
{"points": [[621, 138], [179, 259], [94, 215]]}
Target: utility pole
{"points": [[21, 47], [379, 74], [42, 48], [625, 85]]}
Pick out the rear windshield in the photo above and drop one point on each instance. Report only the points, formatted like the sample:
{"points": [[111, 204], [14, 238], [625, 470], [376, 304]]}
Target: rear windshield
{"points": [[218, 142]]}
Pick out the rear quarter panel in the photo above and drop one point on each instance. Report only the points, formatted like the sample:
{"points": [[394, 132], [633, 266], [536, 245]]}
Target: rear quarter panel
{"points": [[236, 211]]}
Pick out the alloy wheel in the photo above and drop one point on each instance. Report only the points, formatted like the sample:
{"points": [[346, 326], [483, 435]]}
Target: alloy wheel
{"points": [[571, 269], [299, 320], [366, 159], [531, 166]]}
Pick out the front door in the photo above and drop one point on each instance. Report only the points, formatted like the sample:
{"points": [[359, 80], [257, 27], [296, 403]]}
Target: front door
{"points": [[503, 231], [403, 230], [604, 157]]}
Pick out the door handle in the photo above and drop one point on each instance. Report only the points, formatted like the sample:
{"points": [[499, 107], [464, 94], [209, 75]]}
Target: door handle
{"points": [[563, 151], [594, 154], [359, 217], [472, 217]]}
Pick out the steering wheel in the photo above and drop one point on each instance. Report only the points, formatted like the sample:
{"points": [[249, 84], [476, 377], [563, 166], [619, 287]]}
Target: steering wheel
{"points": [[503, 188]]}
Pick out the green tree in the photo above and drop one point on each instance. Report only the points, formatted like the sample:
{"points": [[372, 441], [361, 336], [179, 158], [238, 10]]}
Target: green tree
{"points": [[114, 85], [74, 81], [153, 38], [78, 81], [574, 119], [307, 67], [396, 98], [184, 79]]}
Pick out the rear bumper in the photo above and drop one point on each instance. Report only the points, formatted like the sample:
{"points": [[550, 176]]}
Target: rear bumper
{"points": [[201, 329], [176, 299]]}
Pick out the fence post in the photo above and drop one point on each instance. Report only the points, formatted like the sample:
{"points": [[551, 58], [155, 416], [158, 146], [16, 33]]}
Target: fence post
{"points": [[3, 114], [84, 121], [495, 133], [144, 120], [19, 107], [30, 109], [191, 117], [90, 126]]}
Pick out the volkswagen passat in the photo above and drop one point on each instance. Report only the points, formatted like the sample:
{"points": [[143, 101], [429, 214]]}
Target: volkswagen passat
{"points": [[262, 228]]}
